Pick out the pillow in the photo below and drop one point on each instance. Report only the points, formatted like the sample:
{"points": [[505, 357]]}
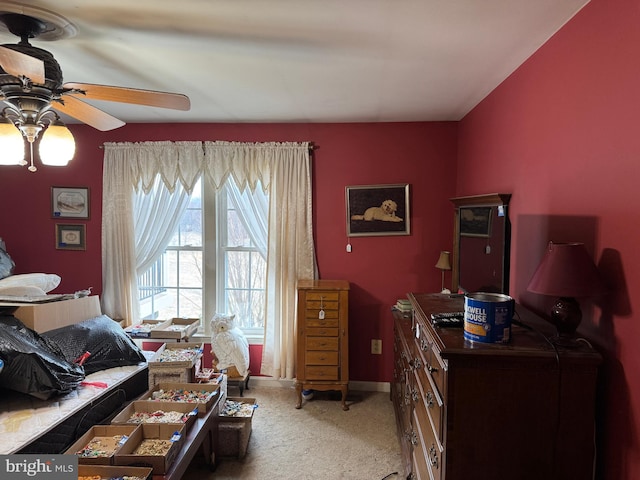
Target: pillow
{"points": [[6, 262], [22, 291], [32, 365], [103, 338], [44, 281]]}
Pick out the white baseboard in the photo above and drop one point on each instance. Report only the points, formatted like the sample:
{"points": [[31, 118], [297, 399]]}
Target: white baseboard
{"points": [[354, 385]]}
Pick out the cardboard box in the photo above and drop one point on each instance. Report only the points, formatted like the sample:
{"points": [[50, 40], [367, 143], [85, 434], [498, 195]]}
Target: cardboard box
{"points": [[250, 401], [211, 391], [43, 317], [176, 328], [144, 328], [144, 406], [106, 434], [172, 434], [157, 362], [114, 471], [177, 375]]}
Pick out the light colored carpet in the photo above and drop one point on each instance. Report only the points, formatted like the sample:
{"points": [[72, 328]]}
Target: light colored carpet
{"points": [[319, 441]]}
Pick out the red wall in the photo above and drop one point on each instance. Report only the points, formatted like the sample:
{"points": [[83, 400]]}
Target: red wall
{"points": [[380, 269], [561, 134]]}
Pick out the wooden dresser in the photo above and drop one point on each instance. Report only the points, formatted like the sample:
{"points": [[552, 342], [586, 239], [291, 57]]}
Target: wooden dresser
{"points": [[323, 337], [478, 411]]}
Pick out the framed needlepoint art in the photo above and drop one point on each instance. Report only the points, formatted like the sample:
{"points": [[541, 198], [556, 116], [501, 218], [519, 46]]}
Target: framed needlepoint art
{"points": [[378, 210], [71, 237]]}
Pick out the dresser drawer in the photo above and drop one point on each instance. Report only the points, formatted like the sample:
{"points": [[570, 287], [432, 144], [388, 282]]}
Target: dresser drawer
{"points": [[431, 401], [323, 296], [322, 358], [318, 372], [431, 452], [321, 343], [314, 313], [438, 371], [326, 323], [322, 332]]}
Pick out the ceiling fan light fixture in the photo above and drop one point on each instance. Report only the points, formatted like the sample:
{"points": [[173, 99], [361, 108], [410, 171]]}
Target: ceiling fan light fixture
{"points": [[57, 145], [11, 143]]}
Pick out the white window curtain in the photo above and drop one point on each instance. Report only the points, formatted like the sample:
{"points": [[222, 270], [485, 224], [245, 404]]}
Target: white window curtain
{"points": [[125, 252], [252, 207], [284, 169]]}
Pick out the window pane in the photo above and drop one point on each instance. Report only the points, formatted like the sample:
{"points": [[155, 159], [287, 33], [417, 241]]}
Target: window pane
{"points": [[190, 268], [190, 305], [237, 235], [258, 271], [238, 271], [170, 269]]}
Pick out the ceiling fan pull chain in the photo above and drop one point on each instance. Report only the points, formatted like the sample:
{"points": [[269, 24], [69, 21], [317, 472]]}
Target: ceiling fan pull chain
{"points": [[32, 167]]}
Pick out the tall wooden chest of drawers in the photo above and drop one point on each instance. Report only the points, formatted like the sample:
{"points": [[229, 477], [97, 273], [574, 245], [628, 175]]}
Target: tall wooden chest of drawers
{"points": [[323, 337], [476, 411]]}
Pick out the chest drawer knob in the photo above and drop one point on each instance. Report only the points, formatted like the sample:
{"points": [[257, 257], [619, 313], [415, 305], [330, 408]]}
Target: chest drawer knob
{"points": [[433, 456], [416, 364], [415, 394], [429, 399], [412, 437]]}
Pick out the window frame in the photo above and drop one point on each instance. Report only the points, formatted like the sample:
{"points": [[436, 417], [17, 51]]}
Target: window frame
{"points": [[213, 218]]}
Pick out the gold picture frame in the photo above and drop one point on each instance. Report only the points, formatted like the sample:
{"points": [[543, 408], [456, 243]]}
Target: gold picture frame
{"points": [[71, 236]]}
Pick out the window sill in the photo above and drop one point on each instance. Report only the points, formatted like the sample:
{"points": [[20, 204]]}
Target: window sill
{"points": [[253, 339]]}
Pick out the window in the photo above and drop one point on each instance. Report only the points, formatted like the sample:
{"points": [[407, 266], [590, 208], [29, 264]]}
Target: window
{"points": [[216, 243]]}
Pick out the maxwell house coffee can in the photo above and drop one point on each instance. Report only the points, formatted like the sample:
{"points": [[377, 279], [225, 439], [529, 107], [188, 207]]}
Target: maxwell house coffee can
{"points": [[487, 317]]}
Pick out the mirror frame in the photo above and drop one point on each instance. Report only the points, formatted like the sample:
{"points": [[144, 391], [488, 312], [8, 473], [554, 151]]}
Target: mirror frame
{"points": [[487, 200]]}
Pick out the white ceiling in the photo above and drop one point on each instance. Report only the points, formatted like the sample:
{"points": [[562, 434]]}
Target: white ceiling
{"points": [[300, 60]]}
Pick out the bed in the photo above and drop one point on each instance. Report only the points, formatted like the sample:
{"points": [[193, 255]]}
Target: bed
{"points": [[32, 425], [49, 394], [64, 366]]}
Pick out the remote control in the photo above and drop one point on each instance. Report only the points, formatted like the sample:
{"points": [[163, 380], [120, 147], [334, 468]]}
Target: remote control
{"points": [[448, 319]]}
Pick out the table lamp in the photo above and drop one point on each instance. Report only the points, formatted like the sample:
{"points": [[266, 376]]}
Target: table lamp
{"points": [[444, 264], [566, 271]]}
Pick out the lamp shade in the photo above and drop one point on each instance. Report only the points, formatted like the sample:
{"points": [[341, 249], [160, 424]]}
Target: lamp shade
{"points": [[566, 270], [444, 262], [57, 145], [11, 144]]}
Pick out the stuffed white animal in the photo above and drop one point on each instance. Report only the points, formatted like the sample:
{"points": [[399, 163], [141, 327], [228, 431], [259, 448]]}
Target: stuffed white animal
{"points": [[228, 344]]}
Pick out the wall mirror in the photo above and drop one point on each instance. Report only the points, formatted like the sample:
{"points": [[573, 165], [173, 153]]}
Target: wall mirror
{"points": [[481, 243]]}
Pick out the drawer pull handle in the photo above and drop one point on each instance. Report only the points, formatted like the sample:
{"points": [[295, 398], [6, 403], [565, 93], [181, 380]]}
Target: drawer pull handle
{"points": [[433, 456], [415, 395], [431, 369], [424, 345], [411, 437], [429, 399], [417, 364]]}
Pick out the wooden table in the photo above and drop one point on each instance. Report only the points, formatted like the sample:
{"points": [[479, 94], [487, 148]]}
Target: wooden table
{"points": [[202, 434]]}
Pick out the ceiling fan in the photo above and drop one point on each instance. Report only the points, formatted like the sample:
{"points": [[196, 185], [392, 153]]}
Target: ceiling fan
{"points": [[32, 90]]}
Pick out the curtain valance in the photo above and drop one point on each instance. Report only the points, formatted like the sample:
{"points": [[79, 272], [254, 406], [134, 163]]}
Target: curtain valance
{"points": [[184, 162]]}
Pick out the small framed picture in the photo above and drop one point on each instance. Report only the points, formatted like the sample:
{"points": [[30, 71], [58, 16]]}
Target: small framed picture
{"points": [[475, 221], [70, 202], [378, 210], [71, 237]]}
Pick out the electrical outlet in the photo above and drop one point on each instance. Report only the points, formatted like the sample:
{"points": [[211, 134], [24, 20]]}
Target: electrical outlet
{"points": [[376, 346]]}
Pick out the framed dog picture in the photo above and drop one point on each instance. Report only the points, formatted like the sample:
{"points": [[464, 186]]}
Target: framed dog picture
{"points": [[378, 210]]}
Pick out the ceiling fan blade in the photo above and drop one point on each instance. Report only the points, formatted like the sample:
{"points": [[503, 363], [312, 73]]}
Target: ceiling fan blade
{"points": [[17, 63], [87, 113], [152, 98]]}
